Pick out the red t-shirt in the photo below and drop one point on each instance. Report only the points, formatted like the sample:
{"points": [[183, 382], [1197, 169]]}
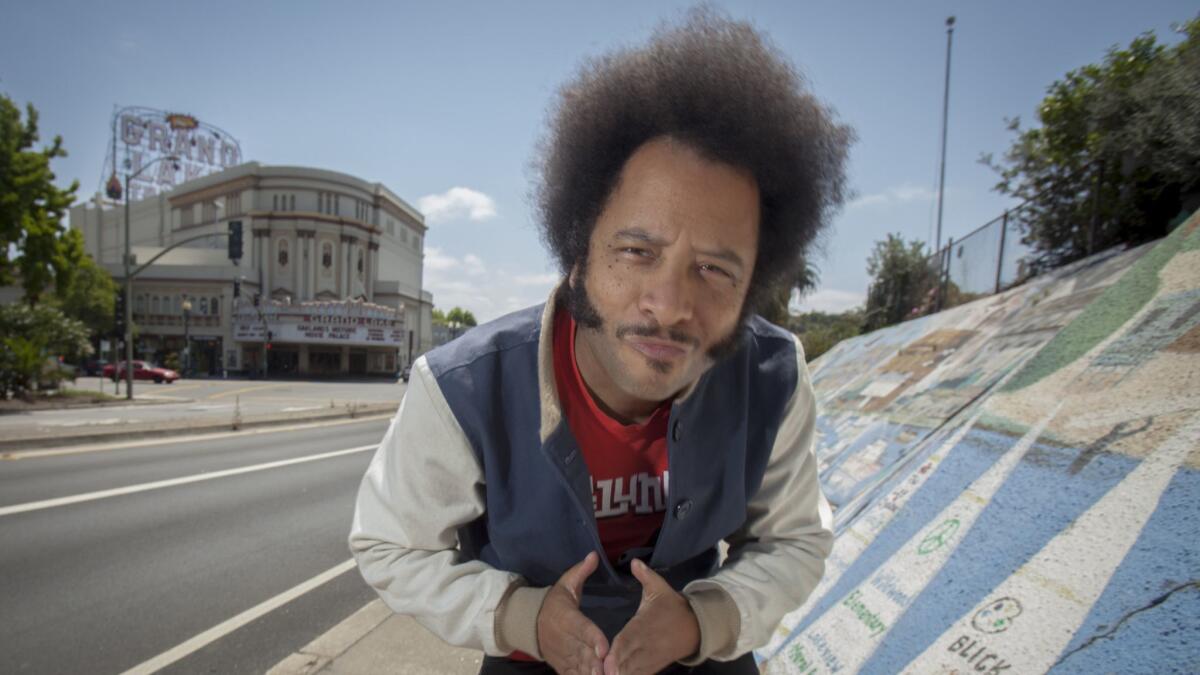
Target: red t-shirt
{"points": [[627, 462]]}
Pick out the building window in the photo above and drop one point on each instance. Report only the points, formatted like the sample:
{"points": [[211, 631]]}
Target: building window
{"points": [[274, 202], [327, 256], [283, 253], [212, 306], [204, 305], [360, 263], [154, 304], [292, 202], [320, 202], [139, 303]]}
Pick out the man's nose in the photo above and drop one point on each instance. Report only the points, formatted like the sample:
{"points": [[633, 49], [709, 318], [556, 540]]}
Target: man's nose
{"points": [[667, 296]]}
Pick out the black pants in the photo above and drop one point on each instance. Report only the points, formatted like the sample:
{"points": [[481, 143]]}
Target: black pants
{"points": [[494, 665]]}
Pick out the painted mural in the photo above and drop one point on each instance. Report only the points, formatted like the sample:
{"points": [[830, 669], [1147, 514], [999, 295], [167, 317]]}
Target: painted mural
{"points": [[1016, 481]]}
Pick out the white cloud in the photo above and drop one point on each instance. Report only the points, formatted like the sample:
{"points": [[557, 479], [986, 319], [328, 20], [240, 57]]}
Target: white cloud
{"points": [[457, 203], [547, 280], [896, 195], [469, 282], [830, 300], [437, 261]]}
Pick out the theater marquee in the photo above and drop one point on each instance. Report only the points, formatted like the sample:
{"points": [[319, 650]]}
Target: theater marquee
{"points": [[327, 323]]}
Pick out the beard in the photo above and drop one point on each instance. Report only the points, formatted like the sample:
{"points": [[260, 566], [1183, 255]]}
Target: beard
{"points": [[580, 305]]}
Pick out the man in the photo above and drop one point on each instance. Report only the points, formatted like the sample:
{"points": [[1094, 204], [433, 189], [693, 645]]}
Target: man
{"points": [[556, 483]]}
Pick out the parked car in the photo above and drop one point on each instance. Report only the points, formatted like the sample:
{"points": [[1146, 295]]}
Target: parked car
{"points": [[141, 371], [54, 372], [94, 366]]}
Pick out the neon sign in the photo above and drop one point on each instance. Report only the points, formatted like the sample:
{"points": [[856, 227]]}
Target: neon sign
{"points": [[140, 136]]}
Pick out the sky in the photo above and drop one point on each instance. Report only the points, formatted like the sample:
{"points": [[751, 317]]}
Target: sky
{"points": [[445, 102]]}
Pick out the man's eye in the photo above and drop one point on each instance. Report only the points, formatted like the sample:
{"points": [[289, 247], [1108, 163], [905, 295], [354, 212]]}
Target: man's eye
{"points": [[635, 251], [713, 269]]}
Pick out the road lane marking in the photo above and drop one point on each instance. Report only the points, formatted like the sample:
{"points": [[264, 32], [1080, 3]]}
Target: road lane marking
{"points": [[172, 482], [121, 445], [230, 625], [243, 390]]}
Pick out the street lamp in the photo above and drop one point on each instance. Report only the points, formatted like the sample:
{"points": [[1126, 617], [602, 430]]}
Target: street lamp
{"points": [[129, 278], [187, 341]]}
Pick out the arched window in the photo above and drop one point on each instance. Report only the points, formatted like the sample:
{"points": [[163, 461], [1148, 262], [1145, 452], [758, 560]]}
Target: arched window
{"points": [[283, 253], [139, 303], [204, 305], [213, 307], [327, 255], [154, 304]]}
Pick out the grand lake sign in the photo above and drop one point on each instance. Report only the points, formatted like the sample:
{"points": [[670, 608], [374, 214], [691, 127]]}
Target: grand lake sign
{"points": [[187, 147], [350, 323]]}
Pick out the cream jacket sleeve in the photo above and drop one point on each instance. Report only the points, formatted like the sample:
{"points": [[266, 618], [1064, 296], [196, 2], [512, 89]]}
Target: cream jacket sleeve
{"points": [[423, 483], [777, 558]]}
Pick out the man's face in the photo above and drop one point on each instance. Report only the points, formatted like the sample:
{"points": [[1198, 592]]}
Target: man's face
{"points": [[668, 268]]}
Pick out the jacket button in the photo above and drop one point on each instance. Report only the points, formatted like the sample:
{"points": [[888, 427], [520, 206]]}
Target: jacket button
{"points": [[675, 431], [682, 509]]}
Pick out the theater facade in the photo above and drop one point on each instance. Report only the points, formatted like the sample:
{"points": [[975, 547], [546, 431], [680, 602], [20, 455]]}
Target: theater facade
{"points": [[330, 282]]}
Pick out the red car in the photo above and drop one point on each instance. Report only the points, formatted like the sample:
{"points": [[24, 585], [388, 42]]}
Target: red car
{"points": [[141, 371]]}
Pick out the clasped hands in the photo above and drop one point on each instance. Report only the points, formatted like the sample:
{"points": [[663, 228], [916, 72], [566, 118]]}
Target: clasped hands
{"points": [[663, 630]]}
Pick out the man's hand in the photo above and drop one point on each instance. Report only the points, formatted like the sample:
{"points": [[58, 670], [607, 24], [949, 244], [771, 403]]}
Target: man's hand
{"points": [[663, 631], [567, 639]]}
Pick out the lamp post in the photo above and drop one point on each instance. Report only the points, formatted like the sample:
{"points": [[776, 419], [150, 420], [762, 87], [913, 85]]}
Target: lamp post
{"points": [[129, 279], [187, 340], [945, 118]]}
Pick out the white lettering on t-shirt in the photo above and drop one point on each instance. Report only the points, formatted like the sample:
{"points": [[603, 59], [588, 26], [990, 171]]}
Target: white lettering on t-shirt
{"points": [[641, 492]]}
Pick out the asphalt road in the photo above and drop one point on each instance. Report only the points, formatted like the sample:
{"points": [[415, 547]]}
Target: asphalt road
{"points": [[104, 584]]}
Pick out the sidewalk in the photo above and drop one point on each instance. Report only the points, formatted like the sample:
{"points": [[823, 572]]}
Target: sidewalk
{"points": [[374, 640], [33, 436]]}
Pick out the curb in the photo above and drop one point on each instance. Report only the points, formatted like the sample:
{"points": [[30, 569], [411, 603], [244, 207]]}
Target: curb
{"points": [[56, 439], [374, 640], [338, 640]]}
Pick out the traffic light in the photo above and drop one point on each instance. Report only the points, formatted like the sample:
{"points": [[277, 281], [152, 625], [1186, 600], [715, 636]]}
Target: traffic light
{"points": [[235, 240], [119, 313]]}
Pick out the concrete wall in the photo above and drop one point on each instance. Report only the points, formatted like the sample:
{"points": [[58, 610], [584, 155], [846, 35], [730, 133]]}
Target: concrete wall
{"points": [[1015, 481]]}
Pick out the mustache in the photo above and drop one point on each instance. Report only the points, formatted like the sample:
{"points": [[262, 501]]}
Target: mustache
{"points": [[653, 330]]}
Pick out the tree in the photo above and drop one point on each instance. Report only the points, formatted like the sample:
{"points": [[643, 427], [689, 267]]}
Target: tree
{"points": [[31, 206], [901, 278], [460, 316], [820, 331], [90, 294], [1117, 156], [29, 336], [439, 317], [804, 281]]}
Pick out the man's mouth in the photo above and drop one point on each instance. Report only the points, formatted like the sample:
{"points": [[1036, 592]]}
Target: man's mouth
{"points": [[657, 350]]}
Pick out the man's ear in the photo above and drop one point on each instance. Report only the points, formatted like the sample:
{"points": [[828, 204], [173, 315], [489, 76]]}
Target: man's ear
{"points": [[573, 276]]}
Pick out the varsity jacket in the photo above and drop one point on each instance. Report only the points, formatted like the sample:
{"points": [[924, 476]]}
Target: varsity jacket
{"points": [[478, 498]]}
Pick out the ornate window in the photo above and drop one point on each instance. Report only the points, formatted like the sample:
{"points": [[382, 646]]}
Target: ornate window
{"points": [[283, 253], [327, 257]]}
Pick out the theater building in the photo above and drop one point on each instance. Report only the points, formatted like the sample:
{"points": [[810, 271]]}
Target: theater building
{"points": [[330, 282]]}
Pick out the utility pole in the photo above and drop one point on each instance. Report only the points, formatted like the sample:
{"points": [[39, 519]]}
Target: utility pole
{"points": [[129, 279], [945, 117]]}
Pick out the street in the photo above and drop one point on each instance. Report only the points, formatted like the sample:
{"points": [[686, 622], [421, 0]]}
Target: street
{"points": [[146, 547]]}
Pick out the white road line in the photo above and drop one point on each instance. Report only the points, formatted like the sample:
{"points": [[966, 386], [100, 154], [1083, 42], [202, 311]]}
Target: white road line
{"points": [[121, 445], [171, 482], [228, 626]]}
